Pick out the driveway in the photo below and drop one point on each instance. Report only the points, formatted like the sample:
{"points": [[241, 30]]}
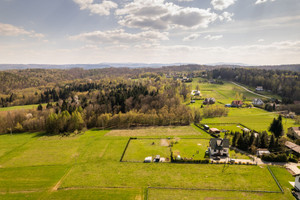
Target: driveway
{"points": [[251, 91]]}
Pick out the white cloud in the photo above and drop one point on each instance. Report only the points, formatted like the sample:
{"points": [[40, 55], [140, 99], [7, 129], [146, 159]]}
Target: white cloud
{"points": [[213, 37], [226, 16], [161, 15], [263, 1], [261, 40], [96, 8], [191, 37], [184, 0], [222, 4], [11, 30], [121, 37]]}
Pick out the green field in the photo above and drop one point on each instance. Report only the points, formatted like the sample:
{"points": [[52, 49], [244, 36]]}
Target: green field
{"points": [[87, 166], [252, 118], [25, 107], [157, 131], [139, 149]]}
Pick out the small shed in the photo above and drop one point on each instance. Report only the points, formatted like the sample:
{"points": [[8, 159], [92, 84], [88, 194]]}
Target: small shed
{"points": [[214, 131], [260, 152]]}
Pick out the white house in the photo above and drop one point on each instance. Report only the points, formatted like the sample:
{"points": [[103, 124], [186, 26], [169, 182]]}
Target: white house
{"points": [[297, 182], [257, 102], [218, 147], [259, 88], [196, 93]]}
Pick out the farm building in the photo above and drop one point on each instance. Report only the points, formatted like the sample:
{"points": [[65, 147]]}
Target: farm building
{"points": [[236, 103], [259, 88], [294, 147], [209, 101], [257, 102], [218, 147], [260, 152], [295, 131]]}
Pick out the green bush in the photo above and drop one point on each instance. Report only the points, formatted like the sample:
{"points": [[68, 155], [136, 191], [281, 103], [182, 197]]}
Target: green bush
{"points": [[275, 158]]}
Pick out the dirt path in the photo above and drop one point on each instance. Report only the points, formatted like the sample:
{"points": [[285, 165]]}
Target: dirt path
{"points": [[60, 180], [250, 90]]}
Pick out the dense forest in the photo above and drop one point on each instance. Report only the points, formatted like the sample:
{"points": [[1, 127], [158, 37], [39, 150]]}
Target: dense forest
{"points": [[105, 104]]}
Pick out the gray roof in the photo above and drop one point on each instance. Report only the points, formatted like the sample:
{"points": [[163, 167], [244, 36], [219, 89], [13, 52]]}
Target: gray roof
{"points": [[218, 143], [292, 146]]}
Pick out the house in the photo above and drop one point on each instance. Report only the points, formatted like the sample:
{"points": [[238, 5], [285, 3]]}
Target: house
{"points": [[257, 102], [214, 131], [259, 88], [260, 152], [295, 131], [297, 182], [208, 101], [294, 147], [237, 103], [218, 147], [195, 93]]}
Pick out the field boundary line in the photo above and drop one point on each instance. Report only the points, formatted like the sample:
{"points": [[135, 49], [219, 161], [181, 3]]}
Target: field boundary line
{"points": [[121, 159], [215, 189], [95, 187], [275, 179], [22, 191]]}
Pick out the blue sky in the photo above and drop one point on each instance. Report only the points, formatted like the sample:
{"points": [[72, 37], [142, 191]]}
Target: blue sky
{"points": [[150, 31]]}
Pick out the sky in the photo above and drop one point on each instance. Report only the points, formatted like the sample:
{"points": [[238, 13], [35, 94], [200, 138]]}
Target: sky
{"points": [[254, 32]]}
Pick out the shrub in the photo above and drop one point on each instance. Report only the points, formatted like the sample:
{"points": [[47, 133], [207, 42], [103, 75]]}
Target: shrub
{"points": [[275, 158]]}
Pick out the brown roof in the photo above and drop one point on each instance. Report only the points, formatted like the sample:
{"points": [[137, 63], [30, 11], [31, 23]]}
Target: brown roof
{"points": [[296, 129], [292, 146], [237, 102]]}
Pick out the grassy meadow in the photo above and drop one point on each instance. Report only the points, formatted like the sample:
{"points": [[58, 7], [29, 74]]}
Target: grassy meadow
{"points": [[87, 166]]}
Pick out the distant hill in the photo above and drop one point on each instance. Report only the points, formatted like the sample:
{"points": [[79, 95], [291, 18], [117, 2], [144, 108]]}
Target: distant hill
{"points": [[86, 66], [292, 67]]}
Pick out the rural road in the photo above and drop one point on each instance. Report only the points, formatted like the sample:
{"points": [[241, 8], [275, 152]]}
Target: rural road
{"points": [[251, 91]]}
